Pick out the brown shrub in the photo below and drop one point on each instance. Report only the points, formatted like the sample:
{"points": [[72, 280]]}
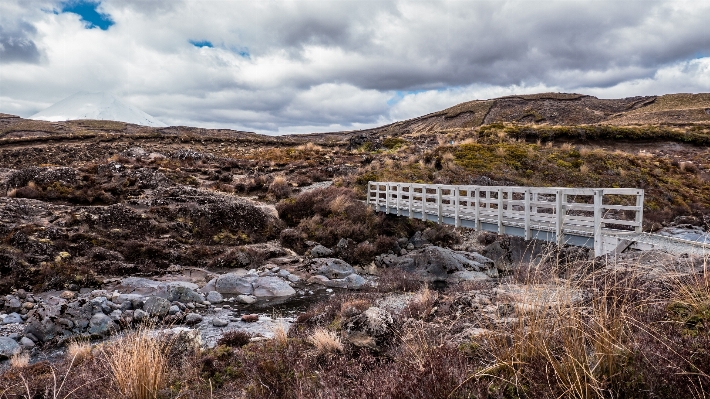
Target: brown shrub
{"points": [[280, 188], [235, 338]]}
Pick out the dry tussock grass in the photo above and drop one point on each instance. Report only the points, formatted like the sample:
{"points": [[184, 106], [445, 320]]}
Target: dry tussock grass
{"points": [[325, 342], [280, 334], [20, 360], [138, 365], [79, 350]]}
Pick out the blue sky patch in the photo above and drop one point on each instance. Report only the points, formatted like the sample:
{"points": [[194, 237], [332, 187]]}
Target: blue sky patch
{"points": [[400, 94], [201, 43], [89, 14]]}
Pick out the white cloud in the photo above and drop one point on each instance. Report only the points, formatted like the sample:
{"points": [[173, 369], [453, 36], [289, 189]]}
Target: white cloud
{"points": [[298, 66]]}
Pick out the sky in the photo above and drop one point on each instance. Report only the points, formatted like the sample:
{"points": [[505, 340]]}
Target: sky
{"points": [[280, 67]]}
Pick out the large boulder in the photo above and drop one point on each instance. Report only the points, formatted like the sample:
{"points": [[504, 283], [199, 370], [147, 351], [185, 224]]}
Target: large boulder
{"points": [[372, 328], [100, 324], [232, 283], [8, 348], [319, 251], [332, 268], [156, 306], [433, 263], [272, 287], [180, 291]]}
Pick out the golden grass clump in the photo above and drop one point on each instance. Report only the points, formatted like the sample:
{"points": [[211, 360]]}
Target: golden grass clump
{"points": [[20, 360], [138, 365], [325, 342], [280, 333], [78, 350]]}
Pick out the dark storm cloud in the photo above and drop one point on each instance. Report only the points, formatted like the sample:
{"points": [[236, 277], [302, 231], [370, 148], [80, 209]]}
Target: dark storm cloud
{"points": [[16, 45]]}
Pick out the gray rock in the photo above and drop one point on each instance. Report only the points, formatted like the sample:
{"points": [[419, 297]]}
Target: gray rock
{"points": [[192, 319], [352, 281], [9, 347], [283, 273], [231, 283], [174, 309], [214, 297], [13, 318], [469, 276], [372, 328], [386, 260], [140, 315], [156, 306], [247, 299], [115, 315], [139, 282], [26, 342], [217, 322], [100, 324], [12, 303], [127, 299], [332, 267], [319, 251], [318, 279], [293, 278], [272, 287], [418, 240], [179, 291], [438, 264]]}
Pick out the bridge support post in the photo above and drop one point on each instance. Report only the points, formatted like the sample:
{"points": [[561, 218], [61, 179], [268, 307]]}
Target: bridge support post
{"points": [[501, 230], [598, 241], [559, 213], [457, 216], [639, 212], [399, 199], [424, 203], [387, 198], [439, 205], [411, 201], [528, 234], [477, 207]]}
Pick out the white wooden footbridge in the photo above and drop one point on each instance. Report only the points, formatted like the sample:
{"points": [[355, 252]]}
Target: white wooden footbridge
{"points": [[605, 219]]}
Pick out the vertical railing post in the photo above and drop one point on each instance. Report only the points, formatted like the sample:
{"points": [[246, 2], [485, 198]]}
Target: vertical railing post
{"points": [[439, 205], [477, 207], [598, 243], [559, 212], [500, 211], [411, 201], [639, 211], [369, 193], [424, 202], [457, 214], [387, 197], [399, 199], [527, 214]]}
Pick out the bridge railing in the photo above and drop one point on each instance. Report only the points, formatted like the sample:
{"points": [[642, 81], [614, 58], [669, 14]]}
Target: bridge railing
{"points": [[550, 213]]}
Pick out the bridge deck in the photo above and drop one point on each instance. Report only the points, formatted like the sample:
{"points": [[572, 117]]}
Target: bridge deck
{"points": [[591, 217]]}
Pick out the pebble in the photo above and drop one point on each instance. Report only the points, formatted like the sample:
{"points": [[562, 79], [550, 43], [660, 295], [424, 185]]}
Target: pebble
{"points": [[192, 319], [218, 322], [26, 342]]}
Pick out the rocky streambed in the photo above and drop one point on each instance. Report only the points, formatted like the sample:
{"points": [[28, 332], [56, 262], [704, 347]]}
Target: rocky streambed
{"points": [[256, 300]]}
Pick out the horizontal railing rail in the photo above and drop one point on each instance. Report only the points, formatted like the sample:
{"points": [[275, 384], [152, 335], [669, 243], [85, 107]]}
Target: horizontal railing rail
{"points": [[553, 213]]}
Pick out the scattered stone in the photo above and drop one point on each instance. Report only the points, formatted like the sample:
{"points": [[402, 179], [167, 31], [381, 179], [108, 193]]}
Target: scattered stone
{"points": [[156, 306], [192, 319], [232, 283], [140, 315], [8, 347], [13, 318], [26, 342], [247, 299], [272, 287], [217, 322], [100, 324], [68, 295], [319, 251], [332, 267], [250, 318], [293, 278], [433, 263], [184, 292], [173, 310], [214, 297], [372, 328]]}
